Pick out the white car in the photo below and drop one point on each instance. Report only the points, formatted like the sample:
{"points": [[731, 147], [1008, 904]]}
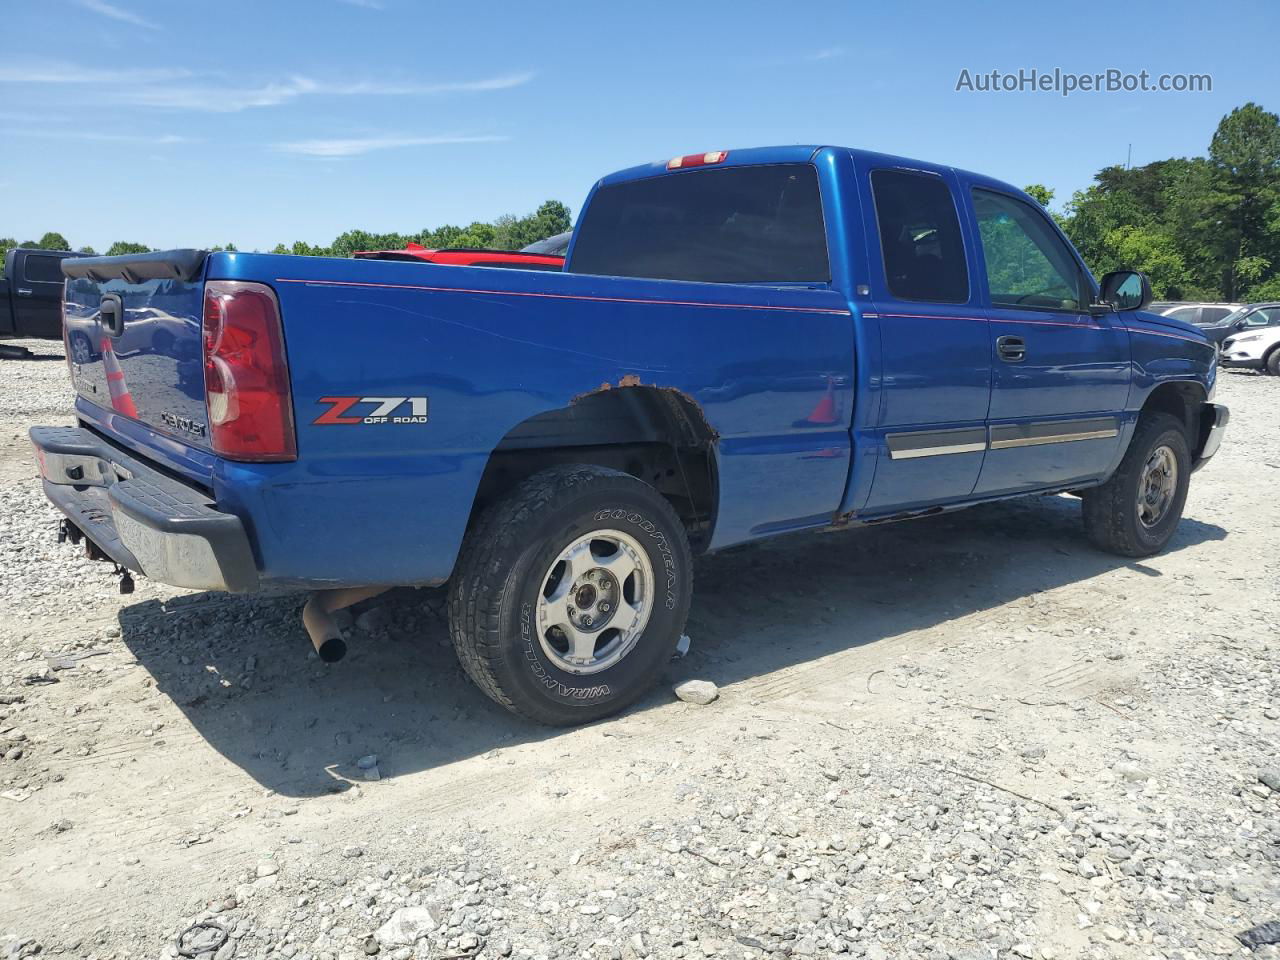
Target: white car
{"points": [[1259, 350], [1201, 314]]}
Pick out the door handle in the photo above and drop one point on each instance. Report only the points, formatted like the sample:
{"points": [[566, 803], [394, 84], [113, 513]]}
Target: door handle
{"points": [[1011, 349], [25, 291]]}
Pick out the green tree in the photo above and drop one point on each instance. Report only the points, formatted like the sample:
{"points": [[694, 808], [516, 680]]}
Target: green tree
{"points": [[353, 240], [53, 241], [512, 233], [1152, 251], [506, 233], [88, 251], [1039, 193], [477, 236], [1245, 153], [301, 248], [6, 244], [1267, 290], [1201, 227], [121, 247]]}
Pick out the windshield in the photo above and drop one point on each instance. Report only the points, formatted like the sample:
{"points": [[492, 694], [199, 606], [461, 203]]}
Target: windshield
{"points": [[1232, 317], [551, 246]]}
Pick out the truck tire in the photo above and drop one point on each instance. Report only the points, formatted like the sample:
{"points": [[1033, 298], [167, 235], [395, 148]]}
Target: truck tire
{"points": [[570, 594], [1136, 512]]}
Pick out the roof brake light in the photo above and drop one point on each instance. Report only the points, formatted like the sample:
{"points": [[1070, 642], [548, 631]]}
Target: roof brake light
{"points": [[697, 160]]}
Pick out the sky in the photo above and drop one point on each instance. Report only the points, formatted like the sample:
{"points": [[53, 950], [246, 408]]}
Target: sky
{"points": [[253, 123]]}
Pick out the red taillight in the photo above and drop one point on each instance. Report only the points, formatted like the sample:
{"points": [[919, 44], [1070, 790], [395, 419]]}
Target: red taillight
{"points": [[697, 160], [246, 379]]}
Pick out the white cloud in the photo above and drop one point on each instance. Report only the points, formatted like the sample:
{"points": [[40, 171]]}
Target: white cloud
{"points": [[162, 88], [117, 13], [827, 53], [367, 4], [217, 99], [147, 139], [213, 98], [503, 81], [358, 146], [58, 72]]}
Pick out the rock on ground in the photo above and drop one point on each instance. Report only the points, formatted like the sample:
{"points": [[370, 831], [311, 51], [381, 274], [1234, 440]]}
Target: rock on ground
{"points": [[406, 927], [697, 691]]}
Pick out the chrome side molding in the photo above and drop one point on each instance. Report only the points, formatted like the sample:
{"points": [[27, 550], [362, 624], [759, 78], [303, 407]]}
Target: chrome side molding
{"points": [[911, 445]]}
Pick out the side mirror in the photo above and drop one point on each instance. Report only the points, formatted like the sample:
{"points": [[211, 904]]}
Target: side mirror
{"points": [[1127, 290]]}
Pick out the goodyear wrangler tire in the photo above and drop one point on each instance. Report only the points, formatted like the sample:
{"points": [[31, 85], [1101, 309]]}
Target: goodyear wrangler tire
{"points": [[1136, 512], [570, 594]]}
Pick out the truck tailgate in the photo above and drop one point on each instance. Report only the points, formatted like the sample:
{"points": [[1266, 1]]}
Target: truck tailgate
{"points": [[133, 339]]}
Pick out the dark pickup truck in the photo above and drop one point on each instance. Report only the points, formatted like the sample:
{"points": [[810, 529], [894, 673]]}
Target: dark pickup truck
{"points": [[31, 296]]}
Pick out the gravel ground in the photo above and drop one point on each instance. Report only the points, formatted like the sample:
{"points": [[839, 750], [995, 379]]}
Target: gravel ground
{"points": [[965, 737]]}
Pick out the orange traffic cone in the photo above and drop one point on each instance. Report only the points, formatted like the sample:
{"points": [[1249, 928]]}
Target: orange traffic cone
{"points": [[824, 413], [121, 399]]}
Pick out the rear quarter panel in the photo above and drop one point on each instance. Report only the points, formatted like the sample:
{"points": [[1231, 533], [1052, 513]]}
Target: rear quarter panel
{"points": [[388, 503]]}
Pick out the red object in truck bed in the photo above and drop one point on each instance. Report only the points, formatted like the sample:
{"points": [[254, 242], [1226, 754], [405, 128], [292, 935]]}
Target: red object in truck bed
{"points": [[467, 257]]}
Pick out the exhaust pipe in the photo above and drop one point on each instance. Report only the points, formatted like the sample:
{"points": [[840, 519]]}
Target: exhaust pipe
{"points": [[317, 617]]}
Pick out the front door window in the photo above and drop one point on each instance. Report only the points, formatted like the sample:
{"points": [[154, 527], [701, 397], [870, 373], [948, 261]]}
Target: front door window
{"points": [[1028, 265]]}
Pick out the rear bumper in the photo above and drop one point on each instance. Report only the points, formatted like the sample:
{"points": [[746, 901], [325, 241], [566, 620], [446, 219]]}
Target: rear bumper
{"points": [[141, 518], [1214, 418]]}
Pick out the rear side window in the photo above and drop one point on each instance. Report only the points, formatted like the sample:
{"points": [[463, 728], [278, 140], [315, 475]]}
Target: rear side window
{"points": [[920, 237], [42, 269], [759, 224], [1214, 314]]}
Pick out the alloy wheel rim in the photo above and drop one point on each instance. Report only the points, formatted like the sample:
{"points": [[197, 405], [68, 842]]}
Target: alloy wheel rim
{"points": [[1157, 485], [594, 602]]}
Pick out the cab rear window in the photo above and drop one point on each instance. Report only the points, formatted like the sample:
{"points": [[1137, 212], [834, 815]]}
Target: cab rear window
{"points": [[757, 224]]}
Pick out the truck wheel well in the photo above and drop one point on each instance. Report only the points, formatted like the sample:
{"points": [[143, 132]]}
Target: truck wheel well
{"points": [[658, 435], [1181, 400]]}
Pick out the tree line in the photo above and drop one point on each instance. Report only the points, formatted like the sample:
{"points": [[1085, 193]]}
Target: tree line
{"points": [[1202, 228], [505, 233]]}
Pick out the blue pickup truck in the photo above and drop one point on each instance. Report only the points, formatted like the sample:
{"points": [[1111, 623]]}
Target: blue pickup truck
{"points": [[742, 344]]}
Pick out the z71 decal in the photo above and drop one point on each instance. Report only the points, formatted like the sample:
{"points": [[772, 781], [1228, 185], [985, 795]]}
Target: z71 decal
{"points": [[386, 410]]}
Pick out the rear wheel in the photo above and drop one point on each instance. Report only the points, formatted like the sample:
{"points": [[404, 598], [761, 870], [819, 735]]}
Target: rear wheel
{"points": [[1136, 512], [571, 594]]}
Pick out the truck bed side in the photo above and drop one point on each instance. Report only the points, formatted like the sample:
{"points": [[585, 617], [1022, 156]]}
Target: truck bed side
{"points": [[769, 368]]}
